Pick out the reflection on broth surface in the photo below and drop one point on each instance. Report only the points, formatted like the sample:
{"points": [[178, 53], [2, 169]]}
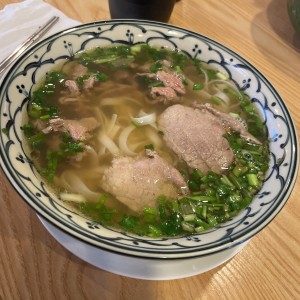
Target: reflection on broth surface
{"points": [[147, 140]]}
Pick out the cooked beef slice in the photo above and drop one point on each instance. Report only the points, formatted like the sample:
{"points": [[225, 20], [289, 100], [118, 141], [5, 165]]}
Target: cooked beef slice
{"points": [[164, 94], [78, 129], [172, 88], [196, 136], [137, 182], [72, 87], [229, 122], [172, 81], [89, 83]]}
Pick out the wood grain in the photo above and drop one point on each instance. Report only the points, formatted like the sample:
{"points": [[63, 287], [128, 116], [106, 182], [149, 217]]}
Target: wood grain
{"points": [[34, 266]]}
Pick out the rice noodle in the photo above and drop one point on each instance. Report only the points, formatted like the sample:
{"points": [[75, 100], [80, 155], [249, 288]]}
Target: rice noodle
{"points": [[91, 155], [222, 96], [138, 146], [111, 124], [202, 93], [154, 137], [92, 173], [71, 197], [70, 181], [112, 135], [205, 78], [100, 116], [123, 140], [110, 90], [225, 82], [108, 129], [114, 131], [118, 101], [108, 143]]}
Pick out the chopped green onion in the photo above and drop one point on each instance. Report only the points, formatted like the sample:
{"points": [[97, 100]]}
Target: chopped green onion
{"points": [[222, 76], [239, 170], [154, 231], [156, 67], [204, 212], [187, 227], [189, 218], [149, 147], [156, 83], [198, 86], [105, 60], [253, 180], [202, 198], [215, 100], [136, 48], [199, 229], [226, 180]]}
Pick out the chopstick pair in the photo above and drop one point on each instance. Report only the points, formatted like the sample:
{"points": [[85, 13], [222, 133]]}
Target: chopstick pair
{"points": [[27, 43]]}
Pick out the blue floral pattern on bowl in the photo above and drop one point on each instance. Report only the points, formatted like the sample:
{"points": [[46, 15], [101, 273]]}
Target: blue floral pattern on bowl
{"points": [[21, 80]]}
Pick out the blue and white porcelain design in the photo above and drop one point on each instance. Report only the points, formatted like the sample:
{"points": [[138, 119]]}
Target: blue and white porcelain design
{"points": [[21, 80]]}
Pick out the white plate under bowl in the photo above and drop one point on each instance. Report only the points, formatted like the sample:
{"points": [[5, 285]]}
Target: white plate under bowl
{"points": [[140, 268]]}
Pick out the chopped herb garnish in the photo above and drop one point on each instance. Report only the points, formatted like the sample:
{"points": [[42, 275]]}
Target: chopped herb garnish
{"points": [[212, 74], [5, 131], [149, 147], [39, 106], [156, 67], [68, 147], [198, 86]]}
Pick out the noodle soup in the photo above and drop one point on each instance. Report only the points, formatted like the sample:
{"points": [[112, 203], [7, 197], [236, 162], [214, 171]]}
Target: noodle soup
{"points": [[146, 140]]}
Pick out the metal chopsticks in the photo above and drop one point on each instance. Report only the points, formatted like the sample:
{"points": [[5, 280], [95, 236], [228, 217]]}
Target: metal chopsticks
{"points": [[27, 43]]}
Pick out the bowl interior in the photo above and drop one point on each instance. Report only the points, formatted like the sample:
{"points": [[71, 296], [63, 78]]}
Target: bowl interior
{"points": [[21, 80]]}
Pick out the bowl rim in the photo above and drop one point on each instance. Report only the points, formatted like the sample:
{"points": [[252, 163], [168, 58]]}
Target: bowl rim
{"points": [[203, 252]]}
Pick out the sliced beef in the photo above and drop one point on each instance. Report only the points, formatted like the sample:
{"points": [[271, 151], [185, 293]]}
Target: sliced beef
{"points": [[78, 129], [56, 125], [89, 83], [172, 81], [137, 182], [229, 122], [73, 88], [164, 94], [172, 90], [196, 136]]}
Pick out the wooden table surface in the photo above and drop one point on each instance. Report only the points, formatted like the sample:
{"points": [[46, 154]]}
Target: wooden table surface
{"points": [[34, 266]]}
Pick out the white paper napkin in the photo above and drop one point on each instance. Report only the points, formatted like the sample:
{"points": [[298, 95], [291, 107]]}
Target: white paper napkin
{"points": [[20, 20]]}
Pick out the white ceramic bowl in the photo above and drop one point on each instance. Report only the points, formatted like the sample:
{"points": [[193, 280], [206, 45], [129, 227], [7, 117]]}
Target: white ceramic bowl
{"points": [[15, 92]]}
